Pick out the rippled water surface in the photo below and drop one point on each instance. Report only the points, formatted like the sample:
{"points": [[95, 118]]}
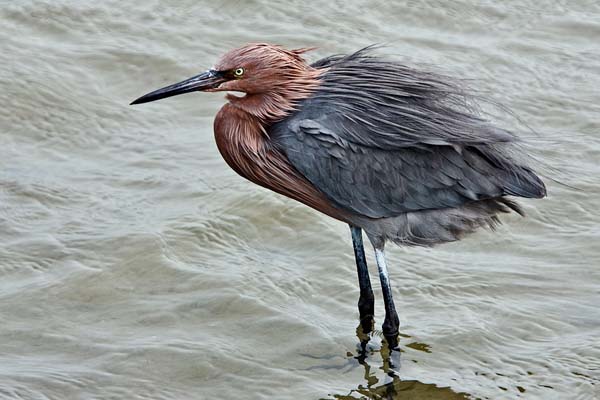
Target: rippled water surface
{"points": [[134, 264]]}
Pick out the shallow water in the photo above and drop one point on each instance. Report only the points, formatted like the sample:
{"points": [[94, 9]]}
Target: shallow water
{"points": [[134, 264]]}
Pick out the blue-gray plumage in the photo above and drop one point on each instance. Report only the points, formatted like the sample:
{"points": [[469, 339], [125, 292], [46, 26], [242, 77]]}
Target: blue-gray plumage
{"points": [[400, 148]]}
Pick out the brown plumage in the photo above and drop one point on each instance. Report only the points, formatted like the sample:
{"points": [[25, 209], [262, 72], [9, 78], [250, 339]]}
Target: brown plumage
{"points": [[278, 80], [398, 152], [275, 80], [242, 141]]}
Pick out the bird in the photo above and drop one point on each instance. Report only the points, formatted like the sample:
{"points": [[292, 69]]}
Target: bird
{"points": [[399, 152]]}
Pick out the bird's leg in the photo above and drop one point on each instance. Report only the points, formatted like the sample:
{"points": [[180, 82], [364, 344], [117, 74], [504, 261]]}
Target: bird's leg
{"points": [[391, 322], [366, 301]]}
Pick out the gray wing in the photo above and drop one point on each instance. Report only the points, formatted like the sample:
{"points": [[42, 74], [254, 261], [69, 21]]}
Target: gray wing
{"points": [[381, 139], [383, 183]]}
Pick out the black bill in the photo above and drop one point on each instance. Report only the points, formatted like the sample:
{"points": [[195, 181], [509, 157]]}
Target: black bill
{"points": [[207, 80]]}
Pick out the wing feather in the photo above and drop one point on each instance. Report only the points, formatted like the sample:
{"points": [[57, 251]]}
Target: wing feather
{"points": [[381, 139]]}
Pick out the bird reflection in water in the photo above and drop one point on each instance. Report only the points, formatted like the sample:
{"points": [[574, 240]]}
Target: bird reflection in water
{"points": [[391, 386]]}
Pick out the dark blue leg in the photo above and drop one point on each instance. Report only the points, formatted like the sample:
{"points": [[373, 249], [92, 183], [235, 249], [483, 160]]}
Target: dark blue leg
{"points": [[391, 322], [366, 301]]}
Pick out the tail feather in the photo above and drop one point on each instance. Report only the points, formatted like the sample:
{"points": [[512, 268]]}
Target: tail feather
{"points": [[525, 183], [435, 226]]}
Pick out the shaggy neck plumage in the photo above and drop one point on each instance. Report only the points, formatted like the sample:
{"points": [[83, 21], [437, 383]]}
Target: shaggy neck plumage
{"points": [[271, 106], [242, 140]]}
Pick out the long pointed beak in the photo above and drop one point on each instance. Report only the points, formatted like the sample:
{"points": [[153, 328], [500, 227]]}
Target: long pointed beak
{"points": [[207, 80]]}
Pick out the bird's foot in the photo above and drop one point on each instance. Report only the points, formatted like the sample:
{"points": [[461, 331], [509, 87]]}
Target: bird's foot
{"points": [[390, 330], [367, 324], [390, 352], [391, 335], [364, 330]]}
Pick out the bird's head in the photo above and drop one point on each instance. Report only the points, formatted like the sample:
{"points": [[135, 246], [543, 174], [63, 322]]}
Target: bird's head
{"points": [[272, 78]]}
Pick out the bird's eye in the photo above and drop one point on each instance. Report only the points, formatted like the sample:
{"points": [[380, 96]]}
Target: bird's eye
{"points": [[238, 72]]}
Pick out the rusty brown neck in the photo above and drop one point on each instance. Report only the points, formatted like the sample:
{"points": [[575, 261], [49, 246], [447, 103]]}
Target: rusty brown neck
{"points": [[241, 125], [273, 105], [242, 140], [258, 105], [239, 135]]}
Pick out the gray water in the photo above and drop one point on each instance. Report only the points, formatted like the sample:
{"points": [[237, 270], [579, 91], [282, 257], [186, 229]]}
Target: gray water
{"points": [[134, 264]]}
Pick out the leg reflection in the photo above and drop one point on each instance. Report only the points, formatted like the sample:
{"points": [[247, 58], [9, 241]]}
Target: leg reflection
{"points": [[391, 386]]}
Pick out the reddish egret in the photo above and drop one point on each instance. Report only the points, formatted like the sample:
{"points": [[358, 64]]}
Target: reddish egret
{"points": [[397, 152]]}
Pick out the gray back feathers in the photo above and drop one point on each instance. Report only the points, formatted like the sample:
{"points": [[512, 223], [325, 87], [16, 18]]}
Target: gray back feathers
{"points": [[383, 140], [389, 105]]}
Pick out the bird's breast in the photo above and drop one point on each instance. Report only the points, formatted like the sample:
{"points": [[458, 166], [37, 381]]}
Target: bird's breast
{"points": [[239, 141], [246, 149]]}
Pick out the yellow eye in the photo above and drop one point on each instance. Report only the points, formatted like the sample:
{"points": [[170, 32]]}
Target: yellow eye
{"points": [[239, 72]]}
